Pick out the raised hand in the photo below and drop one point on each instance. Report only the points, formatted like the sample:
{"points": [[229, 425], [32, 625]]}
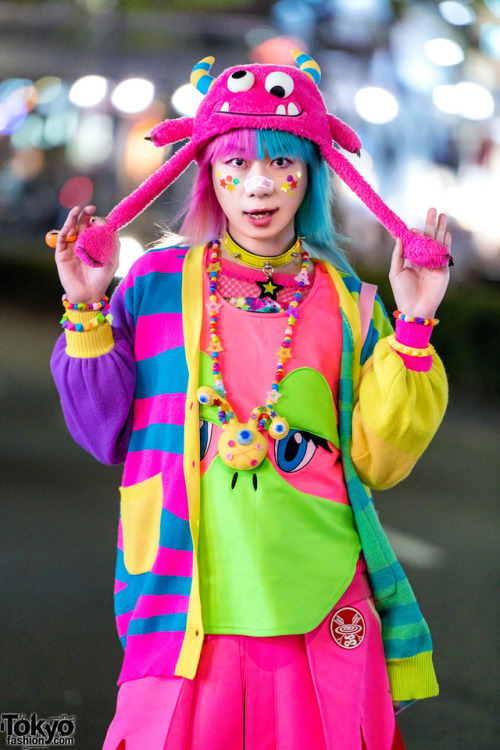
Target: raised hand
{"points": [[419, 291], [81, 282]]}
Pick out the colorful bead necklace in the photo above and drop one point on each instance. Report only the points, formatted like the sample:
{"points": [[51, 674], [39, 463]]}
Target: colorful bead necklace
{"points": [[241, 446]]}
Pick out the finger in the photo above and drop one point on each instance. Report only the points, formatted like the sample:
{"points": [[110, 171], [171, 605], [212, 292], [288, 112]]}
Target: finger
{"points": [[85, 217], [67, 229], [441, 228], [447, 240], [71, 222], [398, 259], [430, 223], [72, 216], [100, 221]]}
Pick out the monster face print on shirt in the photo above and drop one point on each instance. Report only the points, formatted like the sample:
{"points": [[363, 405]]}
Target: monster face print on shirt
{"points": [[277, 545]]}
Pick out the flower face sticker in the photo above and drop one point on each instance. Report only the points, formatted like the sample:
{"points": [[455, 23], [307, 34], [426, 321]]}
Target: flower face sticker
{"points": [[229, 182]]}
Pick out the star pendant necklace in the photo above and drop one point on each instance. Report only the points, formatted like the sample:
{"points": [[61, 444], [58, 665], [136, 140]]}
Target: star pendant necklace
{"points": [[268, 288]]}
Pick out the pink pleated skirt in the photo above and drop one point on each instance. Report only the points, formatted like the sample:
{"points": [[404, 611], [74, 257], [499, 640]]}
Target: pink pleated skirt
{"points": [[324, 690]]}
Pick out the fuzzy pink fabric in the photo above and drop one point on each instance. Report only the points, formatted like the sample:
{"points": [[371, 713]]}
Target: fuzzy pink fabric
{"points": [[95, 246], [291, 102]]}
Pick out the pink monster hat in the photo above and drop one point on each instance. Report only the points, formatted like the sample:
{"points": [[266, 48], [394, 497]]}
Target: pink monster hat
{"points": [[276, 97]]}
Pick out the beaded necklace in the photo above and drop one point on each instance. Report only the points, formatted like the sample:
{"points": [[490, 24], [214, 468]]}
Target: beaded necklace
{"points": [[242, 446]]}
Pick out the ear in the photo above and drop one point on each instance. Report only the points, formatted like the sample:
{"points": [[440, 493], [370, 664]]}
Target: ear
{"points": [[344, 135], [171, 131]]}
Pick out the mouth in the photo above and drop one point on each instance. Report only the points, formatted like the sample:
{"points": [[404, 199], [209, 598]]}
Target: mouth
{"points": [[290, 111], [262, 213]]}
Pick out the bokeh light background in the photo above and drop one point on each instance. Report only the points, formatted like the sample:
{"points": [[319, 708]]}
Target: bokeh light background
{"points": [[418, 81]]}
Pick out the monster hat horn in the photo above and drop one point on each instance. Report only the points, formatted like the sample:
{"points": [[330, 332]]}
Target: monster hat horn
{"points": [[277, 97]]}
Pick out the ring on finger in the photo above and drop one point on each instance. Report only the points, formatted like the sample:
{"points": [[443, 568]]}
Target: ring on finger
{"points": [[51, 237]]}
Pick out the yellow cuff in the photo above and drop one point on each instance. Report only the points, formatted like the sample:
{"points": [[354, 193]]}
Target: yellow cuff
{"points": [[412, 678], [92, 343], [412, 351]]}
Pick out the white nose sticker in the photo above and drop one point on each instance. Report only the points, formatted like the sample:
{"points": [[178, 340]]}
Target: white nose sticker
{"points": [[260, 184]]}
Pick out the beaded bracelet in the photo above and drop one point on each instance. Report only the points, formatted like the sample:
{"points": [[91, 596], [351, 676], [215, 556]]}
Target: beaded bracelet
{"points": [[83, 307], [89, 325], [413, 319]]}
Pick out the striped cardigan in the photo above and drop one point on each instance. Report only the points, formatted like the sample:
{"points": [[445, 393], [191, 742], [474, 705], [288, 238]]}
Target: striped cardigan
{"points": [[157, 321]]}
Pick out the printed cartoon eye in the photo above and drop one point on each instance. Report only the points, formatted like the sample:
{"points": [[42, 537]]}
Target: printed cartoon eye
{"points": [[205, 437], [294, 451], [241, 80], [279, 84]]}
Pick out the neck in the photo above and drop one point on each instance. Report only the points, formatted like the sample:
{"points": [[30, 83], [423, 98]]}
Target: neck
{"points": [[288, 260], [266, 246]]}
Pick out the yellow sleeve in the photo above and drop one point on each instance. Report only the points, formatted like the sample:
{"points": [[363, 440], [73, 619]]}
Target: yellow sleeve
{"points": [[397, 411], [92, 343]]}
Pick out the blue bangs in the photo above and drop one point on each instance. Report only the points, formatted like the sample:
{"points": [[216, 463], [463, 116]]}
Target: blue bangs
{"points": [[314, 218]]}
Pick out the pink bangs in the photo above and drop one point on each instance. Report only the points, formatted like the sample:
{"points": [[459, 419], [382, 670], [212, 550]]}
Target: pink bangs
{"points": [[204, 219]]}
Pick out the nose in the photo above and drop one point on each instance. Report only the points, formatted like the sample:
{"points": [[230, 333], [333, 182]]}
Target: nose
{"points": [[258, 186]]}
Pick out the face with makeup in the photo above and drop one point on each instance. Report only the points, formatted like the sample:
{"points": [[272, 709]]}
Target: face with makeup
{"points": [[260, 199]]}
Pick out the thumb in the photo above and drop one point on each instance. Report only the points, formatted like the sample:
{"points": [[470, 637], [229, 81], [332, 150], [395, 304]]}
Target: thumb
{"points": [[397, 260]]}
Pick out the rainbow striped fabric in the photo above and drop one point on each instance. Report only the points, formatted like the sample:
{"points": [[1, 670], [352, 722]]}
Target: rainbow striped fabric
{"points": [[156, 594]]}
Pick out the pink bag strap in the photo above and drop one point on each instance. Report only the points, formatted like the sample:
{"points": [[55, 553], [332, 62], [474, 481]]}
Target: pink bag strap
{"points": [[365, 304]]}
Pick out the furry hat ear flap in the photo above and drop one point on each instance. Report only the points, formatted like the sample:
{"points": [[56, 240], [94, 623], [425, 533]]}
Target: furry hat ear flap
{"points": [[95, 245], [420, 250], [171, 131], [344, 135]]}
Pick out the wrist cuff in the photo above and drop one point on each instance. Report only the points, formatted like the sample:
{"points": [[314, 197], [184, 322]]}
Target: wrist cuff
{"points": [[92, 343], [413, 334], [418, 359]]}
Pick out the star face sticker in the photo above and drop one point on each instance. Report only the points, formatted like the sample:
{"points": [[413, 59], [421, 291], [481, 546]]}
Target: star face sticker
{"points": [[269, 288]]}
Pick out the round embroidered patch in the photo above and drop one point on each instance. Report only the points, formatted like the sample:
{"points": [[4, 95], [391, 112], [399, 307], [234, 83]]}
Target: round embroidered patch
{"points": [[347, 627]]}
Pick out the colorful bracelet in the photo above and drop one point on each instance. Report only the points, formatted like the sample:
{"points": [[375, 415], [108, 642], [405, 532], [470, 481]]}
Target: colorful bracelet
{"points": [[413, 319], [83, 307], [89, 325]]}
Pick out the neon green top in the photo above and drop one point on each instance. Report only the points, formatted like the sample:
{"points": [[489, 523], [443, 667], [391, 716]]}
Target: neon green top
{"points": [[278, 545]]}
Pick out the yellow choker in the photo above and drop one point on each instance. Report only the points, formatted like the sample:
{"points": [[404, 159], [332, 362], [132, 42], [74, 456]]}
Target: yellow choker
{"points": [[267, 262]]}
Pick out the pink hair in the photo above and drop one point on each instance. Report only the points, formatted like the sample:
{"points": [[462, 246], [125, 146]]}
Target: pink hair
{"points": [[203, 216]]}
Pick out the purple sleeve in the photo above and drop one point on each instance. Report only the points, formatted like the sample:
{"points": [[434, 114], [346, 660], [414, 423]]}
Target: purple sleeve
{"points": [[97, 392]]}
